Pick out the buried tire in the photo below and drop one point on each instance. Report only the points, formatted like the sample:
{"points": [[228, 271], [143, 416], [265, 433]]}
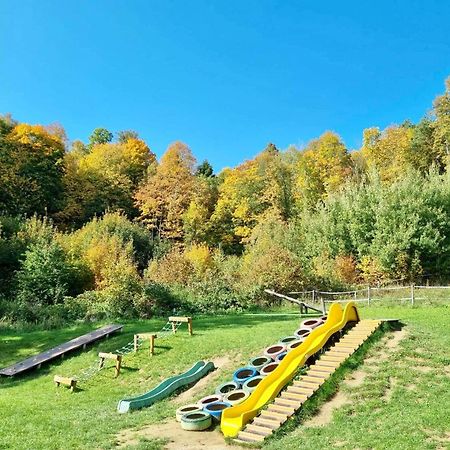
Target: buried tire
{"points": [[187, 409], [250, 385], [196, 421], [236, 397], [259, 361], [215, 409], [244, 374], [227, 387]]}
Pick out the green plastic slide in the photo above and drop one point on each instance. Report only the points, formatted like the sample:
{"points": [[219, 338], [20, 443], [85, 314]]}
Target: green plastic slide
{"points": [[167, 387]]}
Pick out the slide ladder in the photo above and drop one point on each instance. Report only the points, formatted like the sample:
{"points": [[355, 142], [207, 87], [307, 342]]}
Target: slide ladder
{"points": [[291, 399]]}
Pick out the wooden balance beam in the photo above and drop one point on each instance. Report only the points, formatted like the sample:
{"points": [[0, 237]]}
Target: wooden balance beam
{"points": [[66, 381], [174, 319], [114, 357]]}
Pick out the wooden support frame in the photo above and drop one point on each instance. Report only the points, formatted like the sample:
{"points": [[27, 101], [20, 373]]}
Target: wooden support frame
{"points": [[151, 338], [174, 319], [114, 357], [66, 381]]}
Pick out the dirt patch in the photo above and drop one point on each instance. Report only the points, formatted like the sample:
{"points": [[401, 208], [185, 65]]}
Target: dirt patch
{"points": [[188, 395], [397, 336], [356, 378], [424, 369], [390, 390], [177, 437], [325, 414]]}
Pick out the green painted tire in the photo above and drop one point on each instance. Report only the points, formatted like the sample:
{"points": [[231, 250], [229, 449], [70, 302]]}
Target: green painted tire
{"points": [[236, 397], [259, 361], [226, 388], [196, 421], [250, 385], [288, 339], [191, 408], [209, 399]]}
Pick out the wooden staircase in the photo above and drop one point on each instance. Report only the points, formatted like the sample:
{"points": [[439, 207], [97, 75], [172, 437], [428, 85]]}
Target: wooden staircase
{"points": [[292, 398]]}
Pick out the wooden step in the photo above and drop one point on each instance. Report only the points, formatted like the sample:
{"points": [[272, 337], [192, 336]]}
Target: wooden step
{"points": [[295, 397], [318, 374], [326, 364], [324, 370], [281, 409], [311, 380], [257, 429], [272, 424], [285, 402], [300, 390], [250, 437], [332, 358], [274, 416]]}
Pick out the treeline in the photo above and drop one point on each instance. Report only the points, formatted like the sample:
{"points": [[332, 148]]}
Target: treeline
{"points": [[104, 228]]}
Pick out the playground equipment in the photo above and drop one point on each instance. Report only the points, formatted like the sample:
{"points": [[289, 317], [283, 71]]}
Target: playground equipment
{"points": [[60, 350], [285, 405], [303, 306], [170, 327], [236, 417], [167, 387]]}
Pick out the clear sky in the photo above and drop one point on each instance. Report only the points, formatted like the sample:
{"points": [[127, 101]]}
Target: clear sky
{"points": [[224, 76]]}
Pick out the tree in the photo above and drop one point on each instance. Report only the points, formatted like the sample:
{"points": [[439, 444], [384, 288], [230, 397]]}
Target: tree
{"points": [[125, 135], [165, 196], [31, 168], [441, 111], [205, 170], [322, 168], [100, 136]]}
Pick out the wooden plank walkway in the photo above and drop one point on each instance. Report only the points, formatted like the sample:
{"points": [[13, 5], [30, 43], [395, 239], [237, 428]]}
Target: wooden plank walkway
{"points": [[291, 399], [60, 350]]}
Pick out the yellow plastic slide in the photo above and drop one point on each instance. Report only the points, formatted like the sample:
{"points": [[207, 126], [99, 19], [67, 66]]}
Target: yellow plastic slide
{"points": [[236, 417]]}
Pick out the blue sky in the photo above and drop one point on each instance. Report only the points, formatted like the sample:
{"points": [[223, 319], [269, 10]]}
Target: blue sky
{"points": [[226, 77]]}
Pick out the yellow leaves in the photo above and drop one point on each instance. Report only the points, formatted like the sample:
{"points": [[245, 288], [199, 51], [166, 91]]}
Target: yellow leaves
{"points": [[38, 137], [200, 257], [389, 151]]}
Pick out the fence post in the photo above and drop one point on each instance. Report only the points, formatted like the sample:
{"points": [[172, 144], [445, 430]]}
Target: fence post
{"points": [[412, 294], [313, 296], [368, 295], [324, 310]]}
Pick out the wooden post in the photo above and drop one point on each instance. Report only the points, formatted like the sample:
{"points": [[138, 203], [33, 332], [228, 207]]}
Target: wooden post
{"points": [[113, 356], [313, 296], [368, 295], [152, 344], [412, 294], [191, 332], [136, 340], [174, 328], [324, 309], [118, 365]]}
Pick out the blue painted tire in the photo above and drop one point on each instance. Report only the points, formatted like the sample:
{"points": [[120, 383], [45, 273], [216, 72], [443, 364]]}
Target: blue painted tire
{"points": [[209, 399], [196, 421], [280, 357], [243, 374], [236, 397], [274, 350], [186, 410], [216, 409], [259, 361], [250, 385], [269, 368], [288, 339], [226, 387]]}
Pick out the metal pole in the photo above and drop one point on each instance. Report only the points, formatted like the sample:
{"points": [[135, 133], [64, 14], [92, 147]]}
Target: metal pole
{"points": [[412, 294], [368, 295], [313, 296], [324, 310]]}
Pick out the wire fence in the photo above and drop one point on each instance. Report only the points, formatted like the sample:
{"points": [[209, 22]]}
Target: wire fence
{"points": [[398, 294]]}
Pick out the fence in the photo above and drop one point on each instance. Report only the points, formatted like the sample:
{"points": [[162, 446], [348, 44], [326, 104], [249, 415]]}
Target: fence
{"points": [[411, 294]]}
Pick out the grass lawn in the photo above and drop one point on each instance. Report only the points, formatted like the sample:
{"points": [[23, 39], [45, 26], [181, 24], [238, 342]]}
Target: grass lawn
{"points": [[400, 400]]}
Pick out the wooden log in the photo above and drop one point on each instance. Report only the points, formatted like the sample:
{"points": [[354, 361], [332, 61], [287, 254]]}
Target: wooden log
{"points": [[66, 381]]}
